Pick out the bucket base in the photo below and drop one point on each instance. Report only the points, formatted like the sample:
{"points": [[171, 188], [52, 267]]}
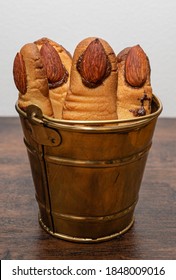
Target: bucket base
{"points": [[85, 240]]}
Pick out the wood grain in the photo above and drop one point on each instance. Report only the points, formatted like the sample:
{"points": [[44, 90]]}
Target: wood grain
{"points": [[153, 235]]}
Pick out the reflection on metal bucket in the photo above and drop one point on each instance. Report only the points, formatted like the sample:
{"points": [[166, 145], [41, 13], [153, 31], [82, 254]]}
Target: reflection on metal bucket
{"points": [[87, 175]]}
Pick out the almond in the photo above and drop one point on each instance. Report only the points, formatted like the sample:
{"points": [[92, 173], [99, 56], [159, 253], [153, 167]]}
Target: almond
{"points": [[136, 67], [94, 65], [55, 71], [19, 73], [123, 54]]}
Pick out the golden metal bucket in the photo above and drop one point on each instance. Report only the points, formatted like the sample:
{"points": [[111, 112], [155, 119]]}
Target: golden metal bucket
{"points": [[87, 175]]}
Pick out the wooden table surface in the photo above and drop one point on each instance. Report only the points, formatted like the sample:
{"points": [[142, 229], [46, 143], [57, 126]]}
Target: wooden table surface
{"points": [[153, 235]]}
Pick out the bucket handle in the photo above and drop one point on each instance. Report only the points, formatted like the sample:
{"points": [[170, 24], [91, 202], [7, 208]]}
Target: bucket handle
{"points": [[39, 132], [34, 114]]}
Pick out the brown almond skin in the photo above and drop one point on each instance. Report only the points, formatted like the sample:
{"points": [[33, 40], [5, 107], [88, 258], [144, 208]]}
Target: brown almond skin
{"points": [[93, 65], [52, 62], [123, 54], [136, 66], [19, 73]]}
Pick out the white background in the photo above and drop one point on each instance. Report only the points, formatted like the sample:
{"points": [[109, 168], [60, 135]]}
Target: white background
{"points": [[151, 23], [166, 266]]}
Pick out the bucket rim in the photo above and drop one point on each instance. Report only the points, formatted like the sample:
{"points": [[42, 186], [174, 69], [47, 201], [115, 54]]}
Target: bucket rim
{"points": [[92, 125]]}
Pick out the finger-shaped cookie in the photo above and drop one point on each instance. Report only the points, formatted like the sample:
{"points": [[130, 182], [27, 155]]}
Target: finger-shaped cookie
{"points": [[134, 91], [30, 79], [93, 82]]}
